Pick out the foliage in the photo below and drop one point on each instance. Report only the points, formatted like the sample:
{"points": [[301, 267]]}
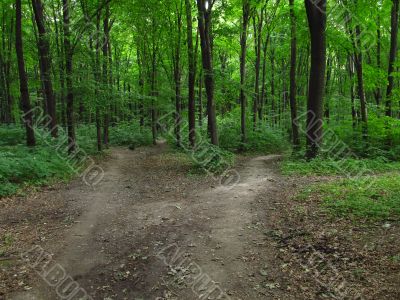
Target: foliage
{"points": [[205, 157], [264, 139], [343, 167], [21, 166], [130, 134], [370, 198]]}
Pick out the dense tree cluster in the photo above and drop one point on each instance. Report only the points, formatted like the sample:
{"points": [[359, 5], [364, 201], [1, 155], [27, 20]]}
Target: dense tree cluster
{"points": [[103, 61]]}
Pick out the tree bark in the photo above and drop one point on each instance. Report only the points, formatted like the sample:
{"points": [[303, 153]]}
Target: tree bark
{"points": [[68, 52], [243, 46], [257, 44], [352, 97], [45, 65], [316, 15], [23, 80], [192, 76], [177, 78], [378, 93], [204, 18], [201, 98], [360, 77], [293, 63], [106, 77], [61, 69], [392, 55]]}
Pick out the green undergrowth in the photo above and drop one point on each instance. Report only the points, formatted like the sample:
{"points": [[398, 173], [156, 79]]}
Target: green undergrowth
{"points": [[372, 198], [48, 162], [366, 172], [211, 159], [205, 157], [21, 167], [340, 167], [262, 140]]}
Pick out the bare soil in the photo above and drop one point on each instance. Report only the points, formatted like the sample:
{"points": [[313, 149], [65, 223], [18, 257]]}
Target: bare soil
{"points": [[153, 230]]}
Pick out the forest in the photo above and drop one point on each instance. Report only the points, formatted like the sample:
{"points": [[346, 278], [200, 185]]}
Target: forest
{"points": [[199, 149]]}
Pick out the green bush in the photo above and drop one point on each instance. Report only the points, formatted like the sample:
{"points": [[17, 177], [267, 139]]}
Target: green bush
{"points": [[20, 166], [11, 135], [263, 140], [383, 137], [130, 134]]}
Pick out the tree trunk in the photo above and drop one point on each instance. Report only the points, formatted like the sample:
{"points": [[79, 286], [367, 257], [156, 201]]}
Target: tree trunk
{"points": [[378, 93], [243, 46], [201, 98], [177, 79], [192, 76], [273, 108], [316, 15], [106, 82], [206, 50], [360, 77], [97, 76], [61, 70], [327, 84], [257, 44], [263, 81], [68, 51], [352, 97], [293, 63], [23, 80], [45, 65], [392, 55]]}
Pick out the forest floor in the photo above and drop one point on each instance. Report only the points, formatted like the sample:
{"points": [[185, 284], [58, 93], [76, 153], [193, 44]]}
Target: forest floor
{"points": [[150, 230]]}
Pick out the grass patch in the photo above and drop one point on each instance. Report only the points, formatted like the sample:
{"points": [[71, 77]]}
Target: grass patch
{"points": [[374, 199], [343, 167]]}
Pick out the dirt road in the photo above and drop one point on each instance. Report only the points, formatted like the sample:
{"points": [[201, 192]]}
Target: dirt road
{"points": [[152, 231]]}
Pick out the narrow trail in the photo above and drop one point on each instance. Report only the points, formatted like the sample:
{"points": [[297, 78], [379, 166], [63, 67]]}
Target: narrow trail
{"points": [[148, 231]]}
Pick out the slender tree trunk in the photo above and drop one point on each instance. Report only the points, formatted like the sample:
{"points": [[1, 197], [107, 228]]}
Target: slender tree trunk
{"points": [[97, 76], [45, 65], [23, 80], [257, 44], [352, 97], [141, 90], [201, 98], [68, 51], [392, 55], [378, 93], [293, 88], [61, 70], [263, 81], [316, 15], [273, 106], [192, 75], [106, 72], [206, 50], [177, 79], [154, 94], [360, 78], [6, 67], [327, 84], [243, 46]]}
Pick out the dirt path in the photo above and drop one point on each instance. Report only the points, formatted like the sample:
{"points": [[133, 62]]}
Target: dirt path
{"points": [[150, 231]]}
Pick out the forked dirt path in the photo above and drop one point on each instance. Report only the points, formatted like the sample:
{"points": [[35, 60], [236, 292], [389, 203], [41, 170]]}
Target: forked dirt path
{"points": [[150, 231]]}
